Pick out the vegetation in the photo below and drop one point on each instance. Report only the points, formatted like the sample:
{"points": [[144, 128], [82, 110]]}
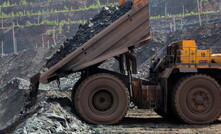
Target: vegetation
{"points": [[66, 10], [60, 23], [24, 2], [53, 11], [51, 23], [182, 15]]}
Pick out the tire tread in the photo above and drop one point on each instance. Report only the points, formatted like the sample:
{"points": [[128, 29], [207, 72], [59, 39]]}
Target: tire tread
{"points": [[175, 94], [78, 95]]}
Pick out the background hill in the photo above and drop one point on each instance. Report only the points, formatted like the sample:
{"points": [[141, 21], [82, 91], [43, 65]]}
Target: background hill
{"points": [[47, 23]]}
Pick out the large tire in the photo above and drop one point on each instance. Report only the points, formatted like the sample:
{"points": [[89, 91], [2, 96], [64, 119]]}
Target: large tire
{"points": [[196, 99], [74, 89], [73, 92], [102, 99]]}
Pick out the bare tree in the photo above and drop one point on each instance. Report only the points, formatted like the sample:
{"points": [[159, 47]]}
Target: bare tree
{"points": [[174, 23], [2, 46], [54, 38], [199, 11], [17, 23], [171, 27], [42, 40], [201, 6], [181, 20], [48, 44], [165, 9], [57, 19], [2, 23], [38, 19], [14, 39], [183, 10], [181, 23], [219, 6]]}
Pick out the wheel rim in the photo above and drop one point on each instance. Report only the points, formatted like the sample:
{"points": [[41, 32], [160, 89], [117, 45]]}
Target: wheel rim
{"points": [[103, 101], [199, 101]]}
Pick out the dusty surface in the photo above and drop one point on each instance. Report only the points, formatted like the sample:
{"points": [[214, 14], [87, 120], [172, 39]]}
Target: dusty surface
{"points": [[54, 113], [56, 116], [144, 121]]}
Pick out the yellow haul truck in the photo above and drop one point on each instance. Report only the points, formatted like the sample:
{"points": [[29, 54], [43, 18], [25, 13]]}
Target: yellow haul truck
{"points": [[190, 79], [184, 84]]}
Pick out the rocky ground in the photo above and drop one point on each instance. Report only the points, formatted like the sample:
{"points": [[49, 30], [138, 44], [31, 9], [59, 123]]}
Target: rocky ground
{"points": [[54, 113]]}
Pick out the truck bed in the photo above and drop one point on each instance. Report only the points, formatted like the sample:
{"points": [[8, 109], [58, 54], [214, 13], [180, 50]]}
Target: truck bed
{"points": [[130, 30]]}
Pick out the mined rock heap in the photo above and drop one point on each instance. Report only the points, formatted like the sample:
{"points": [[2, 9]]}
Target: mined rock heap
{"points": [[85, 32]]}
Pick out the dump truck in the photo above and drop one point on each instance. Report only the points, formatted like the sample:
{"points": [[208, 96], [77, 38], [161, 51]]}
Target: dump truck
{"points": [[184, 84]]}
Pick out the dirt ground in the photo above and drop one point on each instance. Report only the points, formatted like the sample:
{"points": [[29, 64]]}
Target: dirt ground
{"points": [[56, 116], [144, 121]]}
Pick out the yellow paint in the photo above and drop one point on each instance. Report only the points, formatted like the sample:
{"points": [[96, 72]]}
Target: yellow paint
{"points": [[188, 45], [189, 53], [216, 58]]}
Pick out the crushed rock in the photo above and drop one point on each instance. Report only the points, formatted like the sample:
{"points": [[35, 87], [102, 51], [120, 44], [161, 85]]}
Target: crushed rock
{"points": [[55, 116]]}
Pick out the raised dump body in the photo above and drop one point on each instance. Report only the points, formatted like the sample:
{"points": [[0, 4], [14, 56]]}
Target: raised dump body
{"points": [[129, 31]]}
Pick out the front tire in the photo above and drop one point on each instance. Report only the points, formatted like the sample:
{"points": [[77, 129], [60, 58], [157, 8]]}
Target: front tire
{"points": [[197, 99], [102, 99]]}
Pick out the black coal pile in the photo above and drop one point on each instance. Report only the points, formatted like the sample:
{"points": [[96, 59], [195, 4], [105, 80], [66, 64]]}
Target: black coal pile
{"points": [[85, 32]]}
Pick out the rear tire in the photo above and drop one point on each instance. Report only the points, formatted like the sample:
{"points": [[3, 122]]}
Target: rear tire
{"points": [[196, 99], [102, 99]]}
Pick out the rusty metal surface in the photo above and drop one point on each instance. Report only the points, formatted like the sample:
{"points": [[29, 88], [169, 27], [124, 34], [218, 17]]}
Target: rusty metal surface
{"points": [[121, 2], [132, 29]]}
